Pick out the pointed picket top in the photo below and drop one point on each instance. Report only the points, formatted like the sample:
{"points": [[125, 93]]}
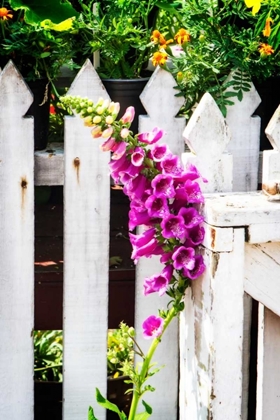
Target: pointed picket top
{"points": [[158, 96], [13, 86], [207, 136], [162, 106], [271, 158], [245, 139], [272, 130], [87, 83]]}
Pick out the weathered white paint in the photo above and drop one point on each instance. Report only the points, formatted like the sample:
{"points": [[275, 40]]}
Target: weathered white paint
{"points": [[162, 107], [241, 209], [218, 239], [271, 158], [262, 273], [165, 400], [268, 388], [207, 137], [86, 255], [16, 248], [188, 396], [245, 139], [49, 165], [219, 335]]}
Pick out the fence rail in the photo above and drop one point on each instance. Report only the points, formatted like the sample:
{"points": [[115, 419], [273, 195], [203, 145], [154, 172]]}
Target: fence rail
{"points": [[214, 330]]}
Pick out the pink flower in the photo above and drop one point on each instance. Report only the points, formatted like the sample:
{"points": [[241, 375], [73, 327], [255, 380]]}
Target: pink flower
{"points": [[152, 327], [128, 116], [197, 270], [137, 157], [184, 258], [151, 137], [159, 282], [119, 150]]}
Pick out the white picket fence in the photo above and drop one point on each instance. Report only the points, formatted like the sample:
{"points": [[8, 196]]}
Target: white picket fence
{"points": [[241, 249]]}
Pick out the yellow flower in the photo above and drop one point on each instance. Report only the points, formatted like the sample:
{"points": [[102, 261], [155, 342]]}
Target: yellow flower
{"points": [[182, 36], [265, 49], [255, 4], [5, 14], [267, 28], [159, 58]]}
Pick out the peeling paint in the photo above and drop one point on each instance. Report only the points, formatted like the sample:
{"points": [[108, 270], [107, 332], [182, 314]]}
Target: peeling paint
{"points": [[77, 163], [23, 185], [215, 263], [213, 237]]}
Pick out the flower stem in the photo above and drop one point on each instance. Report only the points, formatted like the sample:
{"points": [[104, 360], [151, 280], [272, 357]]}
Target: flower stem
{"points": [[146, 364]]}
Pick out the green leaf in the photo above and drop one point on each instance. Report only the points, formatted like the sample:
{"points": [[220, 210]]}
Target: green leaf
{"points": [[147, 407], [38, 11], [142, 416], [108, 405], [91, 415]]}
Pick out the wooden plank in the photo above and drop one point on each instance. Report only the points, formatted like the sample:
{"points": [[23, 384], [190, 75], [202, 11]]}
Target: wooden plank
{"points": [[218, 239], [86, 256], [162, 106], [49, 165], [16, 248], [262, 274], [268, 385], [164, 400], [207, 137], [245, 139], [240, 209], [219, 335]]}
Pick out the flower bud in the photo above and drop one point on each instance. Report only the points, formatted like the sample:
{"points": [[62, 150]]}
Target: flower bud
{"points": [[96, 132], [128, 115], [109, 119], [124, 133], [107, 132], [88, 121], [97, 119]]}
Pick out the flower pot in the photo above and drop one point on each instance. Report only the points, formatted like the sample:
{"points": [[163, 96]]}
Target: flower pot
{"points": [[40, 110], [127, 92], [116, 388], [269, 91]]}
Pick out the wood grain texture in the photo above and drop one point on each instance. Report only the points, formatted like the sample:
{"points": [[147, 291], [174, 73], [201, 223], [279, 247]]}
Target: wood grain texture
{"points": [[262, 273], [268, 385], [16, 248], [162, 106], [245, 139], [86, 256], [207, 137]]}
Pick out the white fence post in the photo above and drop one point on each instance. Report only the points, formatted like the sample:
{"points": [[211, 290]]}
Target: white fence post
{"points": [[245, 139], [16, 248], [86, 259], [212, 336], [162, 106]]}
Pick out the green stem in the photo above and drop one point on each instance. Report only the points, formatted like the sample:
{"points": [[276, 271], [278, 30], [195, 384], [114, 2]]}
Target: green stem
{"points": [[48, 367], [146, 364]]}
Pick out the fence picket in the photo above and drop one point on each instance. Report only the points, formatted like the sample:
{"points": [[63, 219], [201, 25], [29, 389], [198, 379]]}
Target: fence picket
{"points": [[268, 401], [207, 136], [86, 254], [245, 139], [162, 107], [16, 248]]}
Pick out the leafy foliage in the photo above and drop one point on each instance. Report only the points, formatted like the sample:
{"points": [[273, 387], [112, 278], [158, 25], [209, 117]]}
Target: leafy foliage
{"points": [[120, 30], [224, 36], [48, 348]]}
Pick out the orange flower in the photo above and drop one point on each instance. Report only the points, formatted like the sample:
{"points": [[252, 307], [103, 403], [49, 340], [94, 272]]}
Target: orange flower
{"points": [[159, 58], [5, 14], [182, 36], [158, 38], [265, 49], [267, 28]]}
